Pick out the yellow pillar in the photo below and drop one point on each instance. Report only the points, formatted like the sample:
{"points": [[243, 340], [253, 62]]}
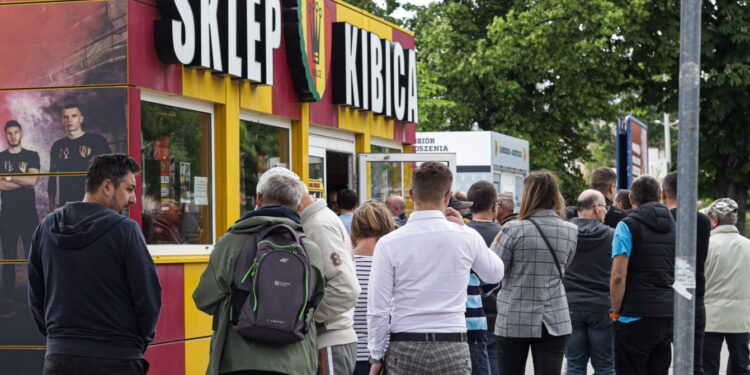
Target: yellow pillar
{"points": [[301, 144], [227, 156]]}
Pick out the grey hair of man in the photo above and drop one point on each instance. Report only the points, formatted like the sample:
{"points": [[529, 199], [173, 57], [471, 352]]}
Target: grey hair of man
{"points": [[588, 199], [724, 210], [280, 186], [507, 200]]}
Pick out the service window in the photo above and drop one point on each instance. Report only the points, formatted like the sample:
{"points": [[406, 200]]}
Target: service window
{"points": [[177, 193], [262, 147]]}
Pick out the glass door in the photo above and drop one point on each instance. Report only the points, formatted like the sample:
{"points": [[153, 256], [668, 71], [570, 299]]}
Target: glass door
{"points": [[383, 175]]}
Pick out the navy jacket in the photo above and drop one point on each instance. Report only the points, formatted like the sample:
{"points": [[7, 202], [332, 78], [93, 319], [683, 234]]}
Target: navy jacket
{"points": [[93, 287]]}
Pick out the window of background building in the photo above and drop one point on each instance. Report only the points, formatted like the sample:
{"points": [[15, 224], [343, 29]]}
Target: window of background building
{"points": [[386, 176], [262, 147], [177, 196]]}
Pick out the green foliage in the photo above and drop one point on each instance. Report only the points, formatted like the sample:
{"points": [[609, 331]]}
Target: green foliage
{"points": [[538, 70]]}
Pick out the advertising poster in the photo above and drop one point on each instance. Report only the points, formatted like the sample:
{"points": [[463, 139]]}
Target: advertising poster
{"points": [[632, 151], [186, 195], [63, 44], [51, 132]]}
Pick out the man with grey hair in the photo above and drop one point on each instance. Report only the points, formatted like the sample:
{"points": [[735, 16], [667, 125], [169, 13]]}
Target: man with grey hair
{"points": [[397, 206], [727, 297], [337, 340], [587, 288], [279, 202], [505, 208]]}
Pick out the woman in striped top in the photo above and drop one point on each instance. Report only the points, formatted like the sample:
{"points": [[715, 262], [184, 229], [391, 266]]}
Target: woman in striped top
{"points": [[371, 221]]}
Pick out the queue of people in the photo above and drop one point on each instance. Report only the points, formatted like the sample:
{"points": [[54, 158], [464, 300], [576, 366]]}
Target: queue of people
{"points": [[294, 289]]}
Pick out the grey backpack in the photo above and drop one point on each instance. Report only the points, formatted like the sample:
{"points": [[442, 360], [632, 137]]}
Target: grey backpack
{"points": [[271, 290]]}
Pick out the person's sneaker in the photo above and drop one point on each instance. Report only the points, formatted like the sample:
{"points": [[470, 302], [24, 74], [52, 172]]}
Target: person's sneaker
{"points": [[7, 308]]}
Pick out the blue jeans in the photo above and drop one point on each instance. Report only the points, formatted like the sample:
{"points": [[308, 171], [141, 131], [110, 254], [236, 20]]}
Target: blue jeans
{"points": [[592, 337], [480, 362], [492, 355]]}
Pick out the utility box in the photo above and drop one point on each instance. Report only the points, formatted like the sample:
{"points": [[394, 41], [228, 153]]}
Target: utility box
{"points": [[482, 155]]}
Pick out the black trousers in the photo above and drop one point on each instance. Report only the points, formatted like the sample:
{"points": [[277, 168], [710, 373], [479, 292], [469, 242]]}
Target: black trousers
{"points": [[739, 355], [58, 364], [700, 331], [643, 347], [547, 353]]}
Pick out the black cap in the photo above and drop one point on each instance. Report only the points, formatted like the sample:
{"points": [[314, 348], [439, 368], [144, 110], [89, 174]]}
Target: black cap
{"points": [[459, 205]]}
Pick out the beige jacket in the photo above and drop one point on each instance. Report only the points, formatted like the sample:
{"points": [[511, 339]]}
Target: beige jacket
{"points": [[336, 311], [727, 278]]}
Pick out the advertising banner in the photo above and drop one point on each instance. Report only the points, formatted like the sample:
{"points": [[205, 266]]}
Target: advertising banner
{"points": [[55, 133]]}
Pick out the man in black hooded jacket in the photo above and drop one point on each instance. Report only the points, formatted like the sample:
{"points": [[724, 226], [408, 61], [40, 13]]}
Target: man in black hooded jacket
{"points": [[93, 288], [587, 288]]}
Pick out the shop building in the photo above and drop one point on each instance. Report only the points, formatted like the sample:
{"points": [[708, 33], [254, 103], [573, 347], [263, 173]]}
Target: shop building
{"points": [[206, 99]]}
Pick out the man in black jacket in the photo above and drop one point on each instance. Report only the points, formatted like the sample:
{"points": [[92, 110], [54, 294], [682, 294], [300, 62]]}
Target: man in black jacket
{"points": [[669, 197], [604, 180], [587, 288], [93, 288], [643, 251]]}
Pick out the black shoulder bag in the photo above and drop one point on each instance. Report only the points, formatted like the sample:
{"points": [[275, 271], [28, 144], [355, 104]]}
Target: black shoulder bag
{"points": [[551, 250]]}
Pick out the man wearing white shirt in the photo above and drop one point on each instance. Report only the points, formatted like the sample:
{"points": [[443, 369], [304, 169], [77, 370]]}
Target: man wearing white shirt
{"points": [[417, 288]]}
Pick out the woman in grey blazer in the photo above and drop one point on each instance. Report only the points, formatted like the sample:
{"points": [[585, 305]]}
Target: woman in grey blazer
{"points": [[532, 308]]}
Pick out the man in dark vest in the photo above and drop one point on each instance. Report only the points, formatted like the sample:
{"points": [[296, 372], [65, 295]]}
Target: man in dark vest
{"points": [[643, 251]]}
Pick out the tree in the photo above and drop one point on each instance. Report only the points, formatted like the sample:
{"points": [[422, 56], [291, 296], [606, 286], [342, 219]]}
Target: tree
{"points": [[538, 70], [724, 159]]}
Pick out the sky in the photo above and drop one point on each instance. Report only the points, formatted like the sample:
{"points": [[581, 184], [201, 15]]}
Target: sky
{"points": [[400, 13]]}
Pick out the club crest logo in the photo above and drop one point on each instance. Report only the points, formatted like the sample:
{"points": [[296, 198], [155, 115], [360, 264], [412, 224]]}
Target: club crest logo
{"points": [[307, 42]]}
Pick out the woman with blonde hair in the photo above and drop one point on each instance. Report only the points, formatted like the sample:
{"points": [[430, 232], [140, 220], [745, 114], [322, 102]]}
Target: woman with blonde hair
{"points": [[371, 221], [532, 307]]}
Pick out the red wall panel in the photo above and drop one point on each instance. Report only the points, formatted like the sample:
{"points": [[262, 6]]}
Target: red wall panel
{"points": [[285, 101], [171, 325], [167, 359], [144, 67]]}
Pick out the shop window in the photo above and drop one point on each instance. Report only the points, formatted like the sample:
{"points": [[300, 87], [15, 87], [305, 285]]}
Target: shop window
{"points": [[386, 176], [177, 196], [262, 147]]}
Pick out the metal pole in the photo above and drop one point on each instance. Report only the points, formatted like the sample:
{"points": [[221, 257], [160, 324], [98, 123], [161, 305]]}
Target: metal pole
{"points": [[687, 182], [667, 142]]}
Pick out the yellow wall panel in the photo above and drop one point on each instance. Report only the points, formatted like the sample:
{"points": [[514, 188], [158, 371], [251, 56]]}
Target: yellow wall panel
{"points": [[301, 144], [197, 323], [196, 356], [201, 84], [382, 127], [354, 120], [227, 158], [258, 98], [364, 20]]}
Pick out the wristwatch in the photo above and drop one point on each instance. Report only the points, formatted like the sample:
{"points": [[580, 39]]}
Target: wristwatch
{"points": [[374, 361], [8, 178]]}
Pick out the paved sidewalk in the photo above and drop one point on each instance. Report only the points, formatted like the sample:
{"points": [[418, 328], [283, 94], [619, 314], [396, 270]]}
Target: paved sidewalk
{"points": [[724, 359]]}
